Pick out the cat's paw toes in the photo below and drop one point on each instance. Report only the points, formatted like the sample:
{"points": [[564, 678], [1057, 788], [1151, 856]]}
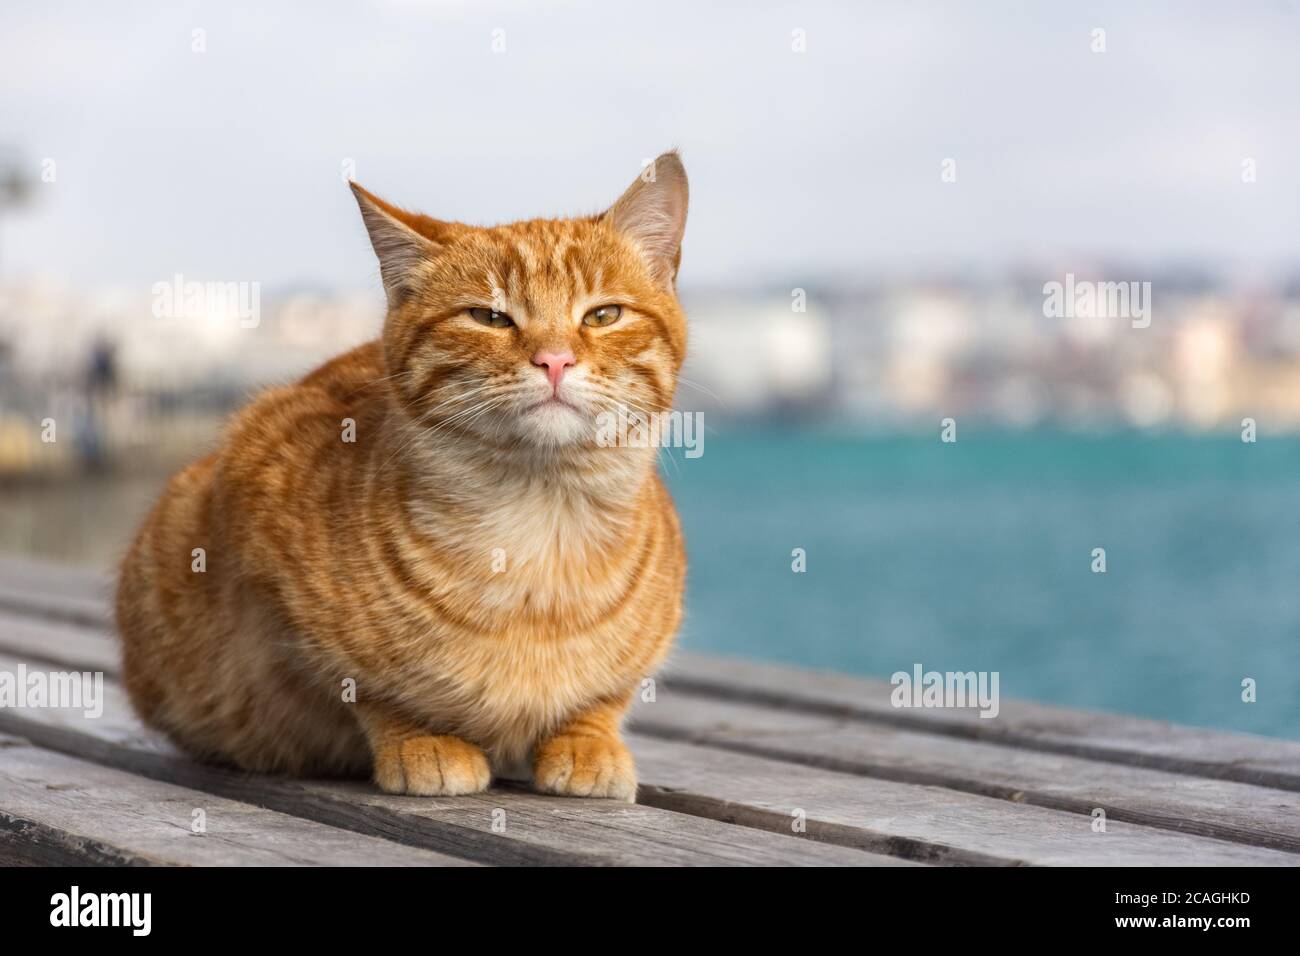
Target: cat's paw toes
{"points": [[573, 766], [431, 767]]}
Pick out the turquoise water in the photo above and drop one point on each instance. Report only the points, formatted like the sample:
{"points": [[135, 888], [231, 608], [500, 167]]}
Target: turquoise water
{"points": [[977, 556]]}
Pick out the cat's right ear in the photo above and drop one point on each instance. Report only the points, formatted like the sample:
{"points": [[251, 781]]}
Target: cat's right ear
{"points": [[402, 241]]}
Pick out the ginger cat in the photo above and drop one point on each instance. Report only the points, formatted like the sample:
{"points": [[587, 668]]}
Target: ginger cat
{"points": [[420, 562]]}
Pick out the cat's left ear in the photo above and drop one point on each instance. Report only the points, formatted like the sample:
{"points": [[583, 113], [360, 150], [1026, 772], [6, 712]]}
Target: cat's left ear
{"points": [[402, 241], [653, 214]]}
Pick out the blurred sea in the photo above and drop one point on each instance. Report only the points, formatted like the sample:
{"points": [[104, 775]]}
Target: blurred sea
{"points": [[977, 555]]}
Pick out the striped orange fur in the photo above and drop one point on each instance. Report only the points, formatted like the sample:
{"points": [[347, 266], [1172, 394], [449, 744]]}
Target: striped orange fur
{"points": [[472, 585]]}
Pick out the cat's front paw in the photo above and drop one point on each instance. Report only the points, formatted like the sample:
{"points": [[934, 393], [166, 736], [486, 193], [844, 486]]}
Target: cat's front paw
{"points": [[585, 766], [431, 767]]}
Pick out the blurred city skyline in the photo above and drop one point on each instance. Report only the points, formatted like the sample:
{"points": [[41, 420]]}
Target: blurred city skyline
{"points": [[221, 155], [870, 235]]}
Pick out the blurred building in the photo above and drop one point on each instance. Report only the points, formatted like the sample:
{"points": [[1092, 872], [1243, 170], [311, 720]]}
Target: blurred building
{"points": [[123, 376]]}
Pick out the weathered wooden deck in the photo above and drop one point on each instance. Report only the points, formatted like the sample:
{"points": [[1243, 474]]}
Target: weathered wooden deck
{"points": [[732, 756]]}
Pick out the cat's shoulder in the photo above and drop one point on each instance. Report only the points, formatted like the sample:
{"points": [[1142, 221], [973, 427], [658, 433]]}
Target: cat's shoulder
{"points": [[341, 384], [349, 374], [292, 415]]}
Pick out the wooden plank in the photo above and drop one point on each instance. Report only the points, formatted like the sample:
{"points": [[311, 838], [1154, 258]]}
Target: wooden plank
{"points": [[46, 589], [1215, 806], [58, 810], [1264, 761], [805, 733], [908, 819], [59, 643], [1221, 809], [537, 829], [89, 612], [55, 578], [922, 823], [1207, 807], [80, 595]]}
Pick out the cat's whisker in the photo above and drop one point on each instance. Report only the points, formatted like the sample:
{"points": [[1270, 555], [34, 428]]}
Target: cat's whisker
{"points": [[409, 442], [619, 398], [460, 397], [465, 416], [384, 378], [701, 388], [622, 405], [500, 395]]}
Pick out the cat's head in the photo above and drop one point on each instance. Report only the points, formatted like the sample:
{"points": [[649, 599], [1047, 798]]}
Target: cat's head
{"points": [[526, 334]]}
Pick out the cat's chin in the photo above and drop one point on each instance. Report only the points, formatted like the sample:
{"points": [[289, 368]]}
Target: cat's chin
{"points": [[555, 424]]}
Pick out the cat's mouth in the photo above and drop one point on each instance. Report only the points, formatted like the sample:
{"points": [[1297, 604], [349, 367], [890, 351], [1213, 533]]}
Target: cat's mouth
{"points": [[555, 421], [553, 401]]}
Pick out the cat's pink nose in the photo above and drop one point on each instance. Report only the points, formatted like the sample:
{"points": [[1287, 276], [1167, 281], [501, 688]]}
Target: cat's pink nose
{"points": [[555, 363]]}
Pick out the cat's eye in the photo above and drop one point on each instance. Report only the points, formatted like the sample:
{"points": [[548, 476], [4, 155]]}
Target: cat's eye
{"points": [[603, 315], [498, 320]]}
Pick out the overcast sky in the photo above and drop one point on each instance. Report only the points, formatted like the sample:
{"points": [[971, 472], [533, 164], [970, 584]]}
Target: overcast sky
{"points": [[227, 164]]}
